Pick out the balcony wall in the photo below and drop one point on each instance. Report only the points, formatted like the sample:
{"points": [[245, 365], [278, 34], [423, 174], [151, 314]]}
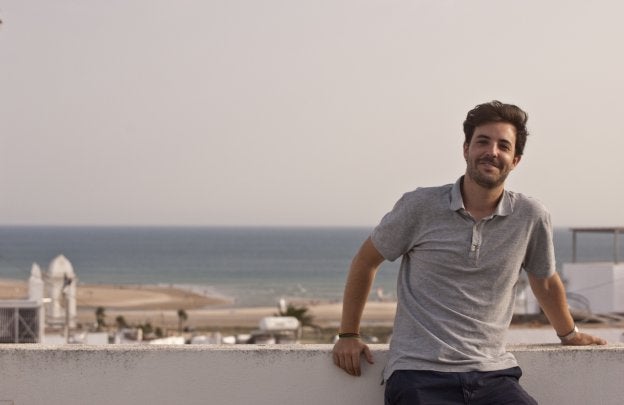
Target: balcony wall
{"points": [[297, 374]]}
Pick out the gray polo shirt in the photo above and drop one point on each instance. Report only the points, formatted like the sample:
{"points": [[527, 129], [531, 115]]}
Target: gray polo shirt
{"points": [[457, 282]]}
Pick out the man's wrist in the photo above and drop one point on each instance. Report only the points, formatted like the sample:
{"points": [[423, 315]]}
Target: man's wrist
{"points": [[349, 335], [570, 335]]}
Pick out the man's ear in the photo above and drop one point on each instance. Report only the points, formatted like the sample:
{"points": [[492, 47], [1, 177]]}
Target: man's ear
{"points": [[465, 151], [516, 160]]}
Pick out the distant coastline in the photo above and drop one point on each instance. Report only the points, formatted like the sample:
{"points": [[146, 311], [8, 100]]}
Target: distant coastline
{"points": [[159, 304], [141, 297]]}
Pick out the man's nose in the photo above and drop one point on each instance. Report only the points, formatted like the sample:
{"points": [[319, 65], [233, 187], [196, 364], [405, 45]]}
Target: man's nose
{"points": [[492, 150]]}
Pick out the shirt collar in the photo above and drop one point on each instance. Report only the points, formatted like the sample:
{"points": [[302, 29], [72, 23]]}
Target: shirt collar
{"points": [[504, 207]]}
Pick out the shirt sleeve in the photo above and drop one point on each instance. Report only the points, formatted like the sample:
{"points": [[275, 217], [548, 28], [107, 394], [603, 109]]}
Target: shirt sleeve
{"points": [[540, 255], [394, 235]]}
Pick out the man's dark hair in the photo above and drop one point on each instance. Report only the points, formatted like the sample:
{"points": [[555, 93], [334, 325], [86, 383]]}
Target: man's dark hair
{"points": [[495, 111]]}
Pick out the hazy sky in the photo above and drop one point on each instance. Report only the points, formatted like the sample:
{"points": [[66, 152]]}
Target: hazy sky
{"points": [[247, 112]]}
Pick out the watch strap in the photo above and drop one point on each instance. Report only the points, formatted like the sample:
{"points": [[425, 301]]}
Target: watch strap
{"points": [[569, 336]]}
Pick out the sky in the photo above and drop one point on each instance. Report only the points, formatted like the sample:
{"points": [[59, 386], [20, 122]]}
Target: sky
{"points": [[297, 113]]}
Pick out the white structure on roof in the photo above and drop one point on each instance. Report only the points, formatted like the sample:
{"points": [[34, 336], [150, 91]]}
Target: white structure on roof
{"points": [[592, 287], [61, 284], [22, 320], [596, 287], [35, 284], [51, 293]]}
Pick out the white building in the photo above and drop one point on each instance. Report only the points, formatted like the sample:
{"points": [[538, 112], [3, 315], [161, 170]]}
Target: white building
{"points": [[23, 321], [596, 287], [61, 289]]}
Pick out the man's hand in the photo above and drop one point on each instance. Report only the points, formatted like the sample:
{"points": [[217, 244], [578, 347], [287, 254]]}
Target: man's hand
{"points": [[583, 339], [347, 353]]}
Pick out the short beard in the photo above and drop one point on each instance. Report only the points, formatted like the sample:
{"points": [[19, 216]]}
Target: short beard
{"points": [[485, 182]]}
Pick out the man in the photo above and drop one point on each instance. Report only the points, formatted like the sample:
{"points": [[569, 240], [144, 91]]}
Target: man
{"points": [[463, 247]]}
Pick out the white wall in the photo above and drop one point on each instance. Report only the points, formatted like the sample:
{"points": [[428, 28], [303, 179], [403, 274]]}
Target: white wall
{"points": [[601, 283], [247, 374], [546, 334]]}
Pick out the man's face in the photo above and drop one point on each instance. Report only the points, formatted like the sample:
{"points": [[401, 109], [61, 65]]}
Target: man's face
{"points": [[491, 154]]}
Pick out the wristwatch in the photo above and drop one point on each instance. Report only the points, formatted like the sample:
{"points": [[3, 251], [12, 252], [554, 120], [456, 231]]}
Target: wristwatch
{"points": [[569, 336]]}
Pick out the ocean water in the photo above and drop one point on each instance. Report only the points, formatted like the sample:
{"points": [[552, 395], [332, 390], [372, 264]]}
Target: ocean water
{"points": [[251, 266]]}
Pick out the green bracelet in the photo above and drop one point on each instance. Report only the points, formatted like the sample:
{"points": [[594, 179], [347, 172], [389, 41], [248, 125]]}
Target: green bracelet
{"points": [[349, 335]]}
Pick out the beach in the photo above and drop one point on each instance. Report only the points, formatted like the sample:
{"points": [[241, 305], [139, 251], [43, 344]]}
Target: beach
{"points": [[159, 305]]}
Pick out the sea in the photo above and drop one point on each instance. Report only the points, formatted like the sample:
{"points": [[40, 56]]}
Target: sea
{"points": [[249, 266]]}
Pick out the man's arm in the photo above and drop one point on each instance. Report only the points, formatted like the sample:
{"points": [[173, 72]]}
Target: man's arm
{"points": [[550, 294], [347, 351]]}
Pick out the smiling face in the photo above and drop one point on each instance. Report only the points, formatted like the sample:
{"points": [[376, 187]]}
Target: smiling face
{"points": [[491, 154]]}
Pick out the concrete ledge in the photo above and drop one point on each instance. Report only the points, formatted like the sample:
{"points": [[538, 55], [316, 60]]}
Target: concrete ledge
{"points": [[248, 374]]}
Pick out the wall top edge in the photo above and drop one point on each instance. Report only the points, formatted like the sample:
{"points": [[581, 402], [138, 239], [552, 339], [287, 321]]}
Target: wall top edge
{"points": [[308, 348]]}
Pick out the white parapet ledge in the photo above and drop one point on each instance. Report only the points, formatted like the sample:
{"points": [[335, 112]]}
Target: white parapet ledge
{"points": [[272, 374]]}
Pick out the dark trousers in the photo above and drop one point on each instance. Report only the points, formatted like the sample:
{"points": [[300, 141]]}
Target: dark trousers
{"points": [[414, 387]]}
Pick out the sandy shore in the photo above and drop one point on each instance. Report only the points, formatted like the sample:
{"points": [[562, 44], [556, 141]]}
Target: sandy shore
{"points": [[325, 315], [159, 305]]}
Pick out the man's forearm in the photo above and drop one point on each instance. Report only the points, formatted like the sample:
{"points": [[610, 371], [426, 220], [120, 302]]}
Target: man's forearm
{"points": [[358, 286], [551, 296]]}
